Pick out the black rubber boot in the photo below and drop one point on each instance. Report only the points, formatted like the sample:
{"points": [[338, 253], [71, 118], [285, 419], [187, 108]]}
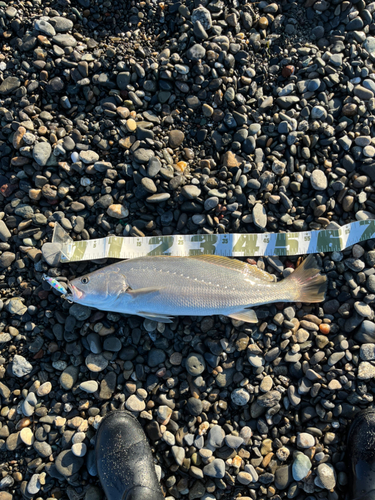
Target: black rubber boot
{"points": [[124, 460], [361, 456]]}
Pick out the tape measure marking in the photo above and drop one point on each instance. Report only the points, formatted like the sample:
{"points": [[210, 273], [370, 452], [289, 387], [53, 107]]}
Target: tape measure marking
{"points": [[229, 245]]}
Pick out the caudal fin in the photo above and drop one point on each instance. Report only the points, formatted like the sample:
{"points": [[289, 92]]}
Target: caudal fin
{"points": [[308, 285]]}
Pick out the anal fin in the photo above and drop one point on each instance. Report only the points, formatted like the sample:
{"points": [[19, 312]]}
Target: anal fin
{"points": [[161, 318], [246, 315]]}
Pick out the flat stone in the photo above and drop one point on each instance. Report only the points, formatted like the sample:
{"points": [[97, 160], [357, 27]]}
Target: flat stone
{"points": [[142, 155], [27, 436], [68, 464], [215, 437], [134, 403], [41, 153], [65, 40], [96, 362], [366, 371], [45, 27], [69, 377], [305, 440], [260, 216], [301, 467], [196, 52], [176, 138], [318, 180], [117, 211], [240, 396], [88, 157], [34, 485], [20, 366], [195, 364], [215, 469], [325, 477], [190, 191], [61, 24], [89, 386], [9, 85]]}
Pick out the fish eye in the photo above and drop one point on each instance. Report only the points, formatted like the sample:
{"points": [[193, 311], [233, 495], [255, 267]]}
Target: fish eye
{"points": [[85, 280]]}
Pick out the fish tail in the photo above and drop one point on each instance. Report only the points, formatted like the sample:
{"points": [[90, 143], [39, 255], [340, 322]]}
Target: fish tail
{"points": [[306, 283]]}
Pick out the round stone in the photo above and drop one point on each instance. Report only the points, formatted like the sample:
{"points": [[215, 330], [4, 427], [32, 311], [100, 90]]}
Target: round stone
{"points": [[196, 52], [305, 440], [20, 366], [44, 389], [41, 153], [117, 211], [240, 396], [244, 478], [79, 449], [96, 362], [176, 137], [156, 357], [301, 467], [194, 406], [89, 386], [45, 27], [325, 477], [319, 180], [88, 157], [134, 403], [215, 469], [195, 364], [27, 436], [190, 191], [68, 377]]}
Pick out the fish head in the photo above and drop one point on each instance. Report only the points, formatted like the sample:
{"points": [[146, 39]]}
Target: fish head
{"points": [[98, 289]]}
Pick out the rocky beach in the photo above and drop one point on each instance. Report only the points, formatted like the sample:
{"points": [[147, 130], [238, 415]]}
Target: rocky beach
{"points": [[149, 118]]}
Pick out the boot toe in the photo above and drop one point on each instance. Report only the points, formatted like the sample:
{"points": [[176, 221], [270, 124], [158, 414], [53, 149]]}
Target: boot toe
{"points": [[124, 459], [361, 455]]}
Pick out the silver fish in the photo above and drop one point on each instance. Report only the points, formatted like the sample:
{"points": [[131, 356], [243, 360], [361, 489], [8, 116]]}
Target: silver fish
{"points": [[162, 287]]}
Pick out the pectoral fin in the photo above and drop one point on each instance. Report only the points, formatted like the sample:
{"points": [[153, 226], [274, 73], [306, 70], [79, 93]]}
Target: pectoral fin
{"points": [[142, 291], [246, 315], [155, 317]]}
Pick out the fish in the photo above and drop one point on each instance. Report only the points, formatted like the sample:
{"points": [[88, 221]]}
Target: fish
{"points": [[55, 284], [162, 287]]}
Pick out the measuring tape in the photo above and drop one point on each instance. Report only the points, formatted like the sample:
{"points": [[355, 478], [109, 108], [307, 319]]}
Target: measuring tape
{"points": [[229, 245]]}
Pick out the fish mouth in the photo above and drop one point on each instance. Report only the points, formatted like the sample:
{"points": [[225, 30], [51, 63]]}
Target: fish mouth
{"points": [[74, 294]]}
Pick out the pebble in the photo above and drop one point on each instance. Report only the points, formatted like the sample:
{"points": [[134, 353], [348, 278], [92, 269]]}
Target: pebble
{"points": [[215, 469], [325, 477], [89, 386], [67, 464], [41, 153], [27, 436], [20, 366], [260, 216], [195, 364], [240, 397], [318, 180], [301, 467], [134, 403], [305, 440]]}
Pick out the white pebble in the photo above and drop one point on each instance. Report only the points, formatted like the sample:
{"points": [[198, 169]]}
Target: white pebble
{"points": [[74, 157], [79, 449]]}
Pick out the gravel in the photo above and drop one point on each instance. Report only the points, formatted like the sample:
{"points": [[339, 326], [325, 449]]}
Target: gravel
{"points": [[155, 119]]}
